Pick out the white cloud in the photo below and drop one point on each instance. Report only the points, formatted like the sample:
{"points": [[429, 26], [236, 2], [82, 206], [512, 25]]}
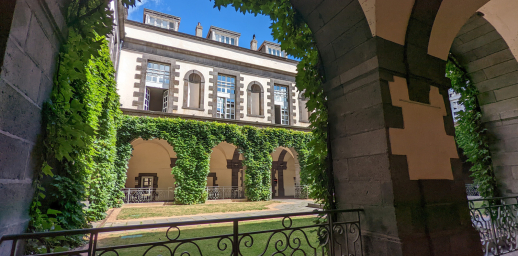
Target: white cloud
{"points": [[140, 4]]}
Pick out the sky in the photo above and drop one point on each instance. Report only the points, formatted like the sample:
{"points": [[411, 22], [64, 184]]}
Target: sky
{"points": [[193, 11]]}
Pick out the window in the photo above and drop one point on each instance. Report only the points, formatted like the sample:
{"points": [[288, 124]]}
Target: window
{"points": [[194, 91], [147, 182], [157, 75], [275, 52], [146, 99], [225, 39], [280, 96], [165, 98], [304, 113], [226, 97], [159, 22], [255, 101], [156, 99]]}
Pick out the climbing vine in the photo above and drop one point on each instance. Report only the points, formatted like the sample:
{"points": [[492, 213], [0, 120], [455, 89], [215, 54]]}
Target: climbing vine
{"points": [[193, 142], [77, 146], [289, 28], [470, 133]]}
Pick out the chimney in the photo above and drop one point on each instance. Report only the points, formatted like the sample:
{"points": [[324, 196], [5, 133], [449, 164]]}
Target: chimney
{"points": [[253, 44], [199, 30]]}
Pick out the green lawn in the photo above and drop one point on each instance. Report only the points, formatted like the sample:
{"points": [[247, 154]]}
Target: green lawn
{"points": [[178, 210], [209, 247]]}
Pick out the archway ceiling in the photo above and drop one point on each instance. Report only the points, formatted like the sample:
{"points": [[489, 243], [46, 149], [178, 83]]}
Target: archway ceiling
{"points": [[389, 19]]}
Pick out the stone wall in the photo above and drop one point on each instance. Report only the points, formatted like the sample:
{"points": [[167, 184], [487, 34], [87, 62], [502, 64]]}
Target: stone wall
{"points": [[493, 69], [29, 48]]}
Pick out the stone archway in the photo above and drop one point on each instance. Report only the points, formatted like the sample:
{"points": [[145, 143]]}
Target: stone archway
{"points": [[493, 69], [391, 130]]}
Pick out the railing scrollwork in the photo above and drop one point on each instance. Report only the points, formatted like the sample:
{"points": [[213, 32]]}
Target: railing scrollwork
{"points": [[337, 233]]}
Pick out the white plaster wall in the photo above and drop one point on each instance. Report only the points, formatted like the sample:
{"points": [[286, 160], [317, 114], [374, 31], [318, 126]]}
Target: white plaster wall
{"points": [[126, 77], [151, 157], [206, 48], [289, 173]]}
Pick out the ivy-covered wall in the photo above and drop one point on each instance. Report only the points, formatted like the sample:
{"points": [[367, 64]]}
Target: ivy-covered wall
{"points": [[193, 142]]}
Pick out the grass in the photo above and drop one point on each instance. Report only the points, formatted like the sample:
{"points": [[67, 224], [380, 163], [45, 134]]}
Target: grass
{"points": [[179, 210], [210, 246]]}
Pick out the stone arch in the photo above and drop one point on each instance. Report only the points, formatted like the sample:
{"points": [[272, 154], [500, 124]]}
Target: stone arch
{"points": [[370, 76], [493, 69], [255, 99], [153, 158], [190, 84]]}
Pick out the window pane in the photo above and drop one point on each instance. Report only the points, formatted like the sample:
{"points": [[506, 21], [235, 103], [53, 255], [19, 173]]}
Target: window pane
{"points": [[232, 41]]}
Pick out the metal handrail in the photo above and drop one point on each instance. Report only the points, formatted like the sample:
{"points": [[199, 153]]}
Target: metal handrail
{"points": [[343, 228]]}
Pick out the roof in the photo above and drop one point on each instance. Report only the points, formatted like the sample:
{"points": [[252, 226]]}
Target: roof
{"points": [[213, 28]]}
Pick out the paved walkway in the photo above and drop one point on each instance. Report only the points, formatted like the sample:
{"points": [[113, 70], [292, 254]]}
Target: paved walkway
{"points": [[286, 206]]}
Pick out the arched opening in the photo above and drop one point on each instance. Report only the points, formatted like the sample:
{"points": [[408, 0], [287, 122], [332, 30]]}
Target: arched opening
{"points": [[285, 177], [149, 177], [303, 109], [194, 88], [225, 179], [256, 100]]}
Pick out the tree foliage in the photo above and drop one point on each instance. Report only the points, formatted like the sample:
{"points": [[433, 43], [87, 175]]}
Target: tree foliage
{"points": [[193, 142], [289, 28], [470, 133]]}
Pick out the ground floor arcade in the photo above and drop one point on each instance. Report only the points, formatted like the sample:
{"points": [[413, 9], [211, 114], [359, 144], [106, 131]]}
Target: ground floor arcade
{"points": [[152, 160]]}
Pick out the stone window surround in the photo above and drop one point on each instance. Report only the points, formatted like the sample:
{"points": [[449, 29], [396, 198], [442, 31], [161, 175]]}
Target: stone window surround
{"points": [[173, 81], [302, 100], [249, 96], [213, 92], [291, 101], [186, 89]]}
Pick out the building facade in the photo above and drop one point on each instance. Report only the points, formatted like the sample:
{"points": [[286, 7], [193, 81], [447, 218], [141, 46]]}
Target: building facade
{"points": [[165, 73]]}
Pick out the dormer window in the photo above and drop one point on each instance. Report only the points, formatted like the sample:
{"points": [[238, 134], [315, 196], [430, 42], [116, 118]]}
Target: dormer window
{"points": [[161, 20], [225, 39], [275, 52], [223, 36], [272, 48]]}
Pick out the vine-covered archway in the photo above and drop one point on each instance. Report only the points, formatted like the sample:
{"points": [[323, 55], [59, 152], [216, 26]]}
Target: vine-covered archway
{"points": [[194, 141]]}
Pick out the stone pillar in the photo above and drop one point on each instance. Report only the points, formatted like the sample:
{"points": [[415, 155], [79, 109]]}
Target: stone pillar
{"points": [[394, 154], [30, 36]]}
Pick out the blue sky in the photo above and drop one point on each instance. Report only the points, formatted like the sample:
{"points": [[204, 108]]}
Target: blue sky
{"points": [[193, 11]]}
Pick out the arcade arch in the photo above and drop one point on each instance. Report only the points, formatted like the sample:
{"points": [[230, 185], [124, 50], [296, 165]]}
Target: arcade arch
{"points": [[151, 160]]}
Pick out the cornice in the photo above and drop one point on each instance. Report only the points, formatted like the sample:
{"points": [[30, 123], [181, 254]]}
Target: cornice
{"points": [[135, 112], [209, 41]]}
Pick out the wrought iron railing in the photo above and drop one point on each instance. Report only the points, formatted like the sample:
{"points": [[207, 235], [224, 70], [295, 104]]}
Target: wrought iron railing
{"points": [[302, 191], [144, 195], [224, 192], [496, 220], [338, 234], [471, 190]]}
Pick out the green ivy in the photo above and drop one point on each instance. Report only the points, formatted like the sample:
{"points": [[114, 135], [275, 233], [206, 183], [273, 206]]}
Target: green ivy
{"points": [[470, 133], [77, 146], [193, 142], [289, 28]]}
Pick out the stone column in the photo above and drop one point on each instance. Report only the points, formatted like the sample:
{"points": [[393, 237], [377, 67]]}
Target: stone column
{"points": [[394, 154]]}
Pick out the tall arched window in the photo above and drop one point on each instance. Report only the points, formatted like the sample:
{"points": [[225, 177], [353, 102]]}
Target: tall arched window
{"points": [[303, 110], [255, 100], [193, 90], [193, 100]]}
